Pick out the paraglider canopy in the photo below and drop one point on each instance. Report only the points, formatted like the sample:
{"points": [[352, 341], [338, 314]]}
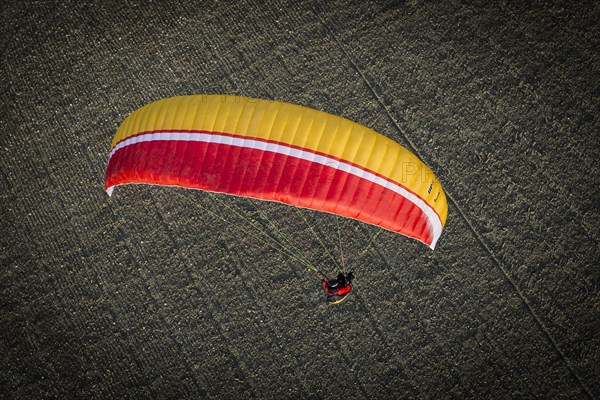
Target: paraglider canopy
{"points": [[280, 152]]}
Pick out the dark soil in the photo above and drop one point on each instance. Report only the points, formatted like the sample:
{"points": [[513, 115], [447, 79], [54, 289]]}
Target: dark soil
{"points": [[151, 294]]}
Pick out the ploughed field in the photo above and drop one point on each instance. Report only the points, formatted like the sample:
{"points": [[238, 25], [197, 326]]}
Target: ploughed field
{"points": [[170, 293]]}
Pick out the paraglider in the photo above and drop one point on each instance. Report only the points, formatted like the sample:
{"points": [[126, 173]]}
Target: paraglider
{"points": [[280, 152], [338, 290]]}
